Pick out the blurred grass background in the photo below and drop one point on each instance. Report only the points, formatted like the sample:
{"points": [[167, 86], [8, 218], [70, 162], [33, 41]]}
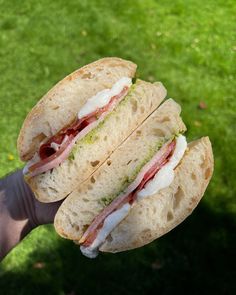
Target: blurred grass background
{"points": [[188, 45]]}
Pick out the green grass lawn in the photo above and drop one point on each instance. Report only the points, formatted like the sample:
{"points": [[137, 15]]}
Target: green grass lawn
{"points": [[188, 45]]}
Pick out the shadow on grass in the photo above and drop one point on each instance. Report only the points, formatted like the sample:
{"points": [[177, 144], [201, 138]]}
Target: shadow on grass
{"points": [[196, 258]]}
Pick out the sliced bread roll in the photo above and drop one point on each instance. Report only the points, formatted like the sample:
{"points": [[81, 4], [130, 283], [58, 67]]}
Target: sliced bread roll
{"points": [[92, 150], [156, 215], [121, 168], [59, 107]]}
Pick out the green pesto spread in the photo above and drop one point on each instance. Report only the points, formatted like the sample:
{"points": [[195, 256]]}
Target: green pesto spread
{"points": [[127, 180], [92, 136], [106, 201]]}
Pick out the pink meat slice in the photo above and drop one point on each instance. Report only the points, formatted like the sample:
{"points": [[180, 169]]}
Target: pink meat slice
{"points": [[59, 156], [130, 195]]}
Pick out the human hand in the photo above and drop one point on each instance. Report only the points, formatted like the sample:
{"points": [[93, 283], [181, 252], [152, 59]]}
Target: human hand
{"points": [[20, 211]]}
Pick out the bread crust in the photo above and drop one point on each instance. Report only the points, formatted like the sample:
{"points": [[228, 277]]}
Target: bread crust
{"points": [[59, 106], [112, 177], [91, 151], [170, 206]]}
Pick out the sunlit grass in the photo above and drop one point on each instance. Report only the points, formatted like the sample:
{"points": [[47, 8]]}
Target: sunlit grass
{"points": [[188, 45]]}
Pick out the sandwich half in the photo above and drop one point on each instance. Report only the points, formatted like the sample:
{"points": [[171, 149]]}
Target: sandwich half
{"points": [[148, 170], [75, 127], [157, 214]]}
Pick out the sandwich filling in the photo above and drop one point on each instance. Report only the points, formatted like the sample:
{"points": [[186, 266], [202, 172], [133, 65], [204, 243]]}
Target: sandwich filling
{"points": [[157, 174], [56, 149]]}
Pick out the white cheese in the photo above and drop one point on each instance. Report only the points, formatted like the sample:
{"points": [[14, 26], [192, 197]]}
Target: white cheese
{"points": [[165, 175], [99, 100], [162, 179], [109, 224], [103, 97], [56, 146]]}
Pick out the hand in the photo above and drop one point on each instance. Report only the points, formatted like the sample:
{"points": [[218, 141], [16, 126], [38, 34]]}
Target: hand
{"points": [[20, 211]]}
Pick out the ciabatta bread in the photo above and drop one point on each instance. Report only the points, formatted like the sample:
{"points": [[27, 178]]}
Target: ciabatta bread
{"points": [[92, 150], [81, 206], [156, 215], [59, 107]]}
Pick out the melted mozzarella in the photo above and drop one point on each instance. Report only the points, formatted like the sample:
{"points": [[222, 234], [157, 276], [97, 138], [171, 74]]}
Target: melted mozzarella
{"points": [[109, 224], [165, 175], [99, 100], [162, 179], [56, 146], [103, 97]]}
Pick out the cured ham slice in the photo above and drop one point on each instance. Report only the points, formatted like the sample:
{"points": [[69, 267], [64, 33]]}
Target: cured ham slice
{"points": [[147, 173], [157, 174], [56, 149]]}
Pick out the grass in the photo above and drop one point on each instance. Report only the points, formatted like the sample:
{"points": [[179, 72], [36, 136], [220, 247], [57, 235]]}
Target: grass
{"points": [[188, 45]]}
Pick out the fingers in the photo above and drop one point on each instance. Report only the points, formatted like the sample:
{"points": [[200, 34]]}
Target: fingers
{"points": [[45, 212]]}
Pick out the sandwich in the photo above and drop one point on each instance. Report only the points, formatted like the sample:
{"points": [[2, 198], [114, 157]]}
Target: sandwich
{"points": [[145, 188], [74, 128]]}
